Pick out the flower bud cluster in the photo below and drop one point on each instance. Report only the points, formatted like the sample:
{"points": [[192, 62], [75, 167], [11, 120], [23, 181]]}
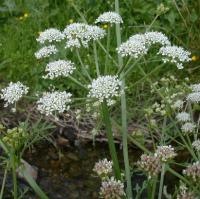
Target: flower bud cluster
{"points": [[165, 153], [150, 164], [112, 189], [193, 172], [184, 193], [103, 167]]}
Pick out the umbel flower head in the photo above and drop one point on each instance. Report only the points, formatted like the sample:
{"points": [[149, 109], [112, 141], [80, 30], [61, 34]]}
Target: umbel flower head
{"points": [[156, 38], [59, 68], [139, 44], [195, 87], [188, 127], [55, 102], [112, 189], [194, 97], [13, 92], [165, 153], [178, 104], [103, 167], [183, 117], [50, 35], [150, 164], [193, 172], [104, 88], [46, 51], [78, 34], [109, 17], [196, 145], [134, 47], [175, 54]]}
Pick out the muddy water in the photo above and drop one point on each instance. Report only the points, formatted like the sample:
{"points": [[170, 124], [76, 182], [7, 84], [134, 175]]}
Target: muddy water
{"points": [[71, 176]]}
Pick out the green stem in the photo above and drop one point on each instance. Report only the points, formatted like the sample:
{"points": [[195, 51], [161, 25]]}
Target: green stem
{"points": [[111, 143], [154, 187], [82, 65], [4, 181], [124, 113], [77, 82], [14, 176], [96, 58], [161, 181], [107, 49]]}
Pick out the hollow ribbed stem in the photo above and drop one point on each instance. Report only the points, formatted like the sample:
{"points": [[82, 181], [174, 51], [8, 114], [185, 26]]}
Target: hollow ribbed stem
{"points": [[113, 153], [161, 181], [123, 113]]}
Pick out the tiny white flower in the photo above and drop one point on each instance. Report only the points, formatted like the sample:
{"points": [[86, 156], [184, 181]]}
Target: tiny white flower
{"points": [[104, 88], [13, 93], [175, 54], [46, 51], [50, 35], [188, 127], [59, 68], [183, 117], [109, 17], [103, 167], [55, 102]]}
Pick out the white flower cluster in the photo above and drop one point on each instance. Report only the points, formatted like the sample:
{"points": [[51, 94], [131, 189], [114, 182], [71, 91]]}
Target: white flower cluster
{"points": [[78, 34], [175, 54], [109, 17], [194, 96], [156, 37], [105, 88], [165, 153], [112, 189], [51, 103], [13, 93], [183, 117], [46, 51], [50, 35], [134, 47], [139, 44], [196, 145], [188, 127], [103, 167], [59, 68], [195, 87]]}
